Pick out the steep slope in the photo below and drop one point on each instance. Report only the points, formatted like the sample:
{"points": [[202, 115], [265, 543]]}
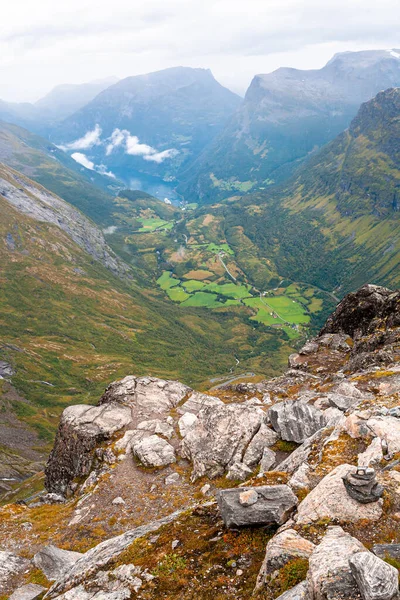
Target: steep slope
{"points": [[336, 223], [286, 116], [64, 100], [159, 122], [286, 489]]}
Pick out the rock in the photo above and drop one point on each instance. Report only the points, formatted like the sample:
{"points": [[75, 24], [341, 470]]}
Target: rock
{"points": [[357, 311], [299, 480], [81, 429], [274, 505], [239, 472], [342, 402], [154, 451], [263, 438], [220, 438], [329, 575], [334, 341], [309, 348], [268, 459], [266, 399], [11, 565], [54, 562], [362, 485], [300, 455], [329, 499], [252, 402], [205, 489], [372, 455], [198, 402], [387, 551], [98, 557], [186, 422], [348, 389], [298, 592], [6, 370], [172, 479], [376, 579], [296, 421], [118, 501], [388, 429], [156, 426], [175, 544], [295, 361], [147, 393], [31, 591], [282, 548], [248, 497]]}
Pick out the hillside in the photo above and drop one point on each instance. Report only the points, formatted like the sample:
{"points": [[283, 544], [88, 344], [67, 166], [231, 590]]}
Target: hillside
{"points": [[286, 489], [286, 116], [335, 224], [153, 124]]}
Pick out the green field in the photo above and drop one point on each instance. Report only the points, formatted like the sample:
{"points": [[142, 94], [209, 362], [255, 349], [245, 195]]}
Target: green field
{"points": [[166, 281], [149, 225], [177, 294], [220, 248], [263, 315], [288, 309], [193, 285], [231, 290], [202, 299]]}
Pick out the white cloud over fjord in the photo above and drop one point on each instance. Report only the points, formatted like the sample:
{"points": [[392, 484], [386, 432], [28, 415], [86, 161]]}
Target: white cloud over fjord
{"points": [[83, 160], [90, 139]]}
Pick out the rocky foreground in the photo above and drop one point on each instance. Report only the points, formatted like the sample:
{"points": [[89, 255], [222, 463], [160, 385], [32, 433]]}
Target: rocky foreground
{"points": [[288, 488]]}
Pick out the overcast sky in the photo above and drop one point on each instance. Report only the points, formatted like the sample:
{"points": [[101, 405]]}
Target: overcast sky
{"points": [[47, 42]]}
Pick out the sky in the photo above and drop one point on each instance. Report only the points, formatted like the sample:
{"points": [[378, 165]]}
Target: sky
{"points": [[44, 43]]}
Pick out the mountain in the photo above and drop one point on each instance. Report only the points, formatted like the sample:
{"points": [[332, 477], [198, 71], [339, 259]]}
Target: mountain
{"points": [[335, 224], [64, 100], [286, 116], [154, 124], [284, 489]]}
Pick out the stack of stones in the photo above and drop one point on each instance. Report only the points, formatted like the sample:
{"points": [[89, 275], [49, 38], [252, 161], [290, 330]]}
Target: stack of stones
{"points": [[362, 485]]}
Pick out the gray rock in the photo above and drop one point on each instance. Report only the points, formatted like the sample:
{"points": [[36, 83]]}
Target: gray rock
{"points": [[186, 422], [54, 562], [268, 459], [6, 370], [329, 576], [197, 402], [172, 479], [274, 505], [282, 548], [263, 438], [295, 421], [329, 499], [220, 438], [118, 501], [150, 394], [372, 455], [362, 486], [154, 451], [387, 551], [30, 591], [342, 402], [81, 429], [309, 348], [376, 579], [156, 426], [299, 480], [298, 592], [335, 341], [239, 472], [11, 565], [98, 557]]}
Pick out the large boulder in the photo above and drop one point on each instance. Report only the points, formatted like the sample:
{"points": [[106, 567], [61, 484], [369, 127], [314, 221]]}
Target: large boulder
{"points": [[149, 394], [197, 402], [329, 576], [295, 421], [220, 438], [329, 499], [30, 591], [154, 451], [282, 548], [54, 561], [376, 579], [298, 592], [11, 565], [81, 429], [256, 505]]}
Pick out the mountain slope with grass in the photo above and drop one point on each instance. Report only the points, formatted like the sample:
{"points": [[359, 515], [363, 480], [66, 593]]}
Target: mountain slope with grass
{"points": [[287, 116], [336, 223]]}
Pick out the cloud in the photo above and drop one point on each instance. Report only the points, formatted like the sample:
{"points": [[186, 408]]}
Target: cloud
{"points": [[90, 139], [83, 160], [133, 147], [102, 169]]}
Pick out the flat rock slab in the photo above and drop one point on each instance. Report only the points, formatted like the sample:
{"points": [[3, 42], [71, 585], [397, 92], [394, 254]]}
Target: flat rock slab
{"points": [[31, 591], [376, 579], [54, 561], [154, 451], [197, 402], [295, 421], [299, 592], [273, 505], [329, 499], [10, 565]]}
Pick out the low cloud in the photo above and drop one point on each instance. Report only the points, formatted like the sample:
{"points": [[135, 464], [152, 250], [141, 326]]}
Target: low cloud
{"points": [[133, 147], [90, 139], [102, 169], [83, 160]]}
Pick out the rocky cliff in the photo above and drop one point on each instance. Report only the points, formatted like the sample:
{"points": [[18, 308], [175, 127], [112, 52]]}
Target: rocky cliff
{"points": [[287, 488]]}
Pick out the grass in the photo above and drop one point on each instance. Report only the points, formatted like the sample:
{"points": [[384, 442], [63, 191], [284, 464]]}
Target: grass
{"points": [[231, 290], [203, 299], [193, 286], [178, 294], [167, 281], [290, 310], [149, 225], [215, 248]]}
